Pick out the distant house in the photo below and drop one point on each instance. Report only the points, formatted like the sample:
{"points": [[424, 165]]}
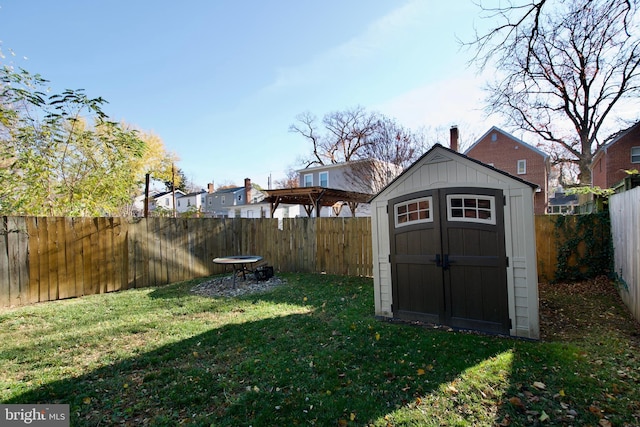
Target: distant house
{"points": [[563, 204], [363, 176], [507, 153], [164, 200], [191, 202], [620, 154], [230, 202]]}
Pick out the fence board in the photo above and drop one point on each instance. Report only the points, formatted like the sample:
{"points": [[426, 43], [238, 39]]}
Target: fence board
{"points": [[13, 229], [546, 249], [43, 253], [33, 278], [5, 297], [66, 288], [76, 254]]}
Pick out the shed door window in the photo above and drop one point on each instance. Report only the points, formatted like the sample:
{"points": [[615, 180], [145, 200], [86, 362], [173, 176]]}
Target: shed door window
{"points": [[635, 154], [471, 208], [413, 211]]}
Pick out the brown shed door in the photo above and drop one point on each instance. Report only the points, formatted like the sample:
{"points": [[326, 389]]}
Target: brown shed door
{"points": [[448, 258]]}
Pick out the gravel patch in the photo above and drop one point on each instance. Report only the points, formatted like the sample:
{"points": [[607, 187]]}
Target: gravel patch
{"points": [[223, 286]]}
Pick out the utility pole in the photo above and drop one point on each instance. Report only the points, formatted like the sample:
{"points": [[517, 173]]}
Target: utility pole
{"points": [[173, 188], [146, 195]]}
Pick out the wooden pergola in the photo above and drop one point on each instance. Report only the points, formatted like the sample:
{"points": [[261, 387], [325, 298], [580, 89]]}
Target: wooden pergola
{"points": [[313, 198]]}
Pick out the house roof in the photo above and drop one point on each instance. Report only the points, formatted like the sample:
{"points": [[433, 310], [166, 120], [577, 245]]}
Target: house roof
{"points": [[311, 197], [562, 199], [519, 141], [440, 147], [614, 138], [339, 165], [195, 193], [228, 190], [167, 193]]}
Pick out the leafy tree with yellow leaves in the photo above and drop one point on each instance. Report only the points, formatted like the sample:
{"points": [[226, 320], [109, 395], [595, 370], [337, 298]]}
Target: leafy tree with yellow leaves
{"points": [[60, 155]]}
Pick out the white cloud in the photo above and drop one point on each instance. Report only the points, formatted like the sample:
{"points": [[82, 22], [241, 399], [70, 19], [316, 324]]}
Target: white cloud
{"points": [[447, 102], [353, 55]]}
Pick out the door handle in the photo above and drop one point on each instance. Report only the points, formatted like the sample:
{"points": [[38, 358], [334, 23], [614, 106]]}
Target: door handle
{"points": [[437, 261], [446, 264]]}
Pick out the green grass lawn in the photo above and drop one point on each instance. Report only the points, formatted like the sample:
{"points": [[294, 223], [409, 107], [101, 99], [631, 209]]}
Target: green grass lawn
{"points": [[311, 353]]}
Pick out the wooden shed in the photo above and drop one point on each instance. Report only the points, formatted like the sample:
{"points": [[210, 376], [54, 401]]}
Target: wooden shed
{"points": [[454, 244]]}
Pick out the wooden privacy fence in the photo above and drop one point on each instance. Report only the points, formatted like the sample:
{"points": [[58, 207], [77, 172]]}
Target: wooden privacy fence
{"points": [[573, 247], [625, 228], [45, 259]]}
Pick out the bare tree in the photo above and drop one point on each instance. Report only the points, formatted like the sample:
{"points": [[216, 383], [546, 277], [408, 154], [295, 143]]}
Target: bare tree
{"points": [[346, 133], [564, 67], [289, 181], [390, 149], [377, 147]]}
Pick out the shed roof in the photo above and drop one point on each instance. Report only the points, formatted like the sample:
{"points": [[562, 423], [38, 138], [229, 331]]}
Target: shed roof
{"points": [[437, 147]]}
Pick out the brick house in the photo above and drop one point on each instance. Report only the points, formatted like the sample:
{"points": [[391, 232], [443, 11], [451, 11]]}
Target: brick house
{"points": [[504, 151], [611, 161]]}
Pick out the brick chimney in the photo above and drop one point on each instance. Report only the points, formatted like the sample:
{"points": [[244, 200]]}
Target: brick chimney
{"points": [[453, 138], [210, 189], [247, 190]]}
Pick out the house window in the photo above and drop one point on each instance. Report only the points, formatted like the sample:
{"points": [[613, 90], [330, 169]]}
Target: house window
{"points": [[471, 208], [494, 137], [324, 179], [413, 211], [222, 200], [188, 203], [166, 202], [239, 197], [522, 167], [178, 203], [308, 180], [635, 154]]}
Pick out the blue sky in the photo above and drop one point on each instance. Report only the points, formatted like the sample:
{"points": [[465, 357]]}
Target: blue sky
{"points": [[221, 81]]}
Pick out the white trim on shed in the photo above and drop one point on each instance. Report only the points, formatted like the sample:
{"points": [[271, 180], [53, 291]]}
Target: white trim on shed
{"points": [[441, 168]]}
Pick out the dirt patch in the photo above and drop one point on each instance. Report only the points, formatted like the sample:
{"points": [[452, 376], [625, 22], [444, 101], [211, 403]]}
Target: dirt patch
{"points": [[225, 287]]}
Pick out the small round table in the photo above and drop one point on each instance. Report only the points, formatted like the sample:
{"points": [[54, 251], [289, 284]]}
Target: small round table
{"points": [[239, 264]]}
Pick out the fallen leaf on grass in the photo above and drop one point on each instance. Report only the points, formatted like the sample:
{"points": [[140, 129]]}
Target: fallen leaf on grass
{"points": [[539, 385], [605, 423], [595, 410], [544, 417], [506, 421], [515, 401]]}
